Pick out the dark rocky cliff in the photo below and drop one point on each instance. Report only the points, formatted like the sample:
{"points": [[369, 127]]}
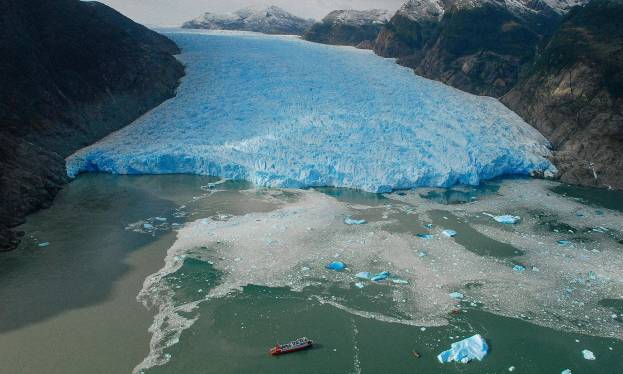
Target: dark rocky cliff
{"points": [[71, 72], [348, 27], [479, 49], [573, 94]]}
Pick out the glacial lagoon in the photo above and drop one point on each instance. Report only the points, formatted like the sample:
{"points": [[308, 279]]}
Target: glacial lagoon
{"points": [[229, 291]]}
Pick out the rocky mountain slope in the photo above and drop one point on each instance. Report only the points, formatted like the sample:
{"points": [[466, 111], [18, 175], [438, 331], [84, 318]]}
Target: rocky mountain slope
{"points": [[72, 72], [557, 65], [267, 20], [573, 94], [478, 46], [349, 27]]}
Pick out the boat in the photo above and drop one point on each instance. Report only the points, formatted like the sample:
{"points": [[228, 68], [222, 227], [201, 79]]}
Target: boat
{"points": [[293, 346]]}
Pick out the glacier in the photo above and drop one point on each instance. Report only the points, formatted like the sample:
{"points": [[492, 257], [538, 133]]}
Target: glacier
{"points": [[282, 112]]}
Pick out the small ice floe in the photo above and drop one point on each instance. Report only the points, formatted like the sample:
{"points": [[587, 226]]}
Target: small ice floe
{"points": [[148, 226], [399, 281], [464, 351], [511, 369], [161, 219], [456, 296], [336, 265], [449, 233], [519, 268], [564, 242], [380, 276], [359, 285], [505, 219], [363, 275], [566, 371], [43, 244], [422, 254], [588, 355], [424, 236], [601, 229], [350, 221]]}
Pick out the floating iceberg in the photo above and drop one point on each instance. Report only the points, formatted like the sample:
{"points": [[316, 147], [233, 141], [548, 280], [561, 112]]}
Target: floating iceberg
{"points": [[456, 296], [465, 350], [350, 221], [519, 268], [261, 108], [424, 236], [44, 244], [588, 355], [449, 233], [380, 276], [364, 275], [505, 219], [336, 265]]}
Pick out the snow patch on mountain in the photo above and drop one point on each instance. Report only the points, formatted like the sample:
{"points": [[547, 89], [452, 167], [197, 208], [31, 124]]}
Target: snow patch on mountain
{"points": [[433, 10], [283, 112], [358, 17], [269, 20]]}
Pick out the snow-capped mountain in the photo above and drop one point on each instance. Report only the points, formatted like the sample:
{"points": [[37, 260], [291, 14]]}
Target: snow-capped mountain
{"points": [[268, 20], [433, 10], [358, 17]]}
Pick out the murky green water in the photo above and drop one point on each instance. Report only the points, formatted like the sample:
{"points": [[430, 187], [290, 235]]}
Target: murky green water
{"points": [[70, 307]]}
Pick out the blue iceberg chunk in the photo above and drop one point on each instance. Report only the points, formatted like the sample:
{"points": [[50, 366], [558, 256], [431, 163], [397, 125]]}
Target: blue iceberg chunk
{"points": [[380, 276], [519, 268], [364, 275], [464, 351], [564, 242], [449, 233], [336, 265], [424, 236], [350, 221], [505, 219], [456, 296]]}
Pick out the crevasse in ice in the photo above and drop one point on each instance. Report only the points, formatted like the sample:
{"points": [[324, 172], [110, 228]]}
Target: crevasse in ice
{"points": [[282, 112]]}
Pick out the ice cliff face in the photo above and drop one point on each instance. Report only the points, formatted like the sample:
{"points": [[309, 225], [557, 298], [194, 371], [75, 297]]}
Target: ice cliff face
{"points": [[268, 20], [282, 112]]}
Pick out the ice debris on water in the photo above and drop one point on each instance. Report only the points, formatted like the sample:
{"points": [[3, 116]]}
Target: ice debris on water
{"points": [[424, 236], [359, 285], [350, 221], [564, 242], [399, 281], [511, 369], [464, 351], [588, 355], [449, 233], [600, 229], [148, 226], [336, 265], [44, 244], [456, 296], [422, 254], [327, 133], [566, 371]]}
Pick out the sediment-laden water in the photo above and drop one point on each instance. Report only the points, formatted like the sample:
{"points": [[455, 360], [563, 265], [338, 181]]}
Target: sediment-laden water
{"points": [[186, 274]]}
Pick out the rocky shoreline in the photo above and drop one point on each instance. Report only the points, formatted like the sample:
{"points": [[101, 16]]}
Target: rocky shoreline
{"points": [[76, 71]]}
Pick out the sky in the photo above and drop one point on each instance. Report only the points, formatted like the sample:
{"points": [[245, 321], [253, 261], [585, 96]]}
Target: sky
{"points": [[176, 12]]}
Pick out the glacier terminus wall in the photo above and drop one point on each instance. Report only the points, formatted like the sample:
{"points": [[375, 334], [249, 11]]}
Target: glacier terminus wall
{"points": [[282, 112]]}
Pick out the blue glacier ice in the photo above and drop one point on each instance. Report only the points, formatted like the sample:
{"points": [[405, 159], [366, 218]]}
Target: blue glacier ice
{"points": [[282, 112], [464, 351]]}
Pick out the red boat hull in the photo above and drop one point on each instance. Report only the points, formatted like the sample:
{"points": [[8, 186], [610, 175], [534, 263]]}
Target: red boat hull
{"points": [[277, 351]]}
